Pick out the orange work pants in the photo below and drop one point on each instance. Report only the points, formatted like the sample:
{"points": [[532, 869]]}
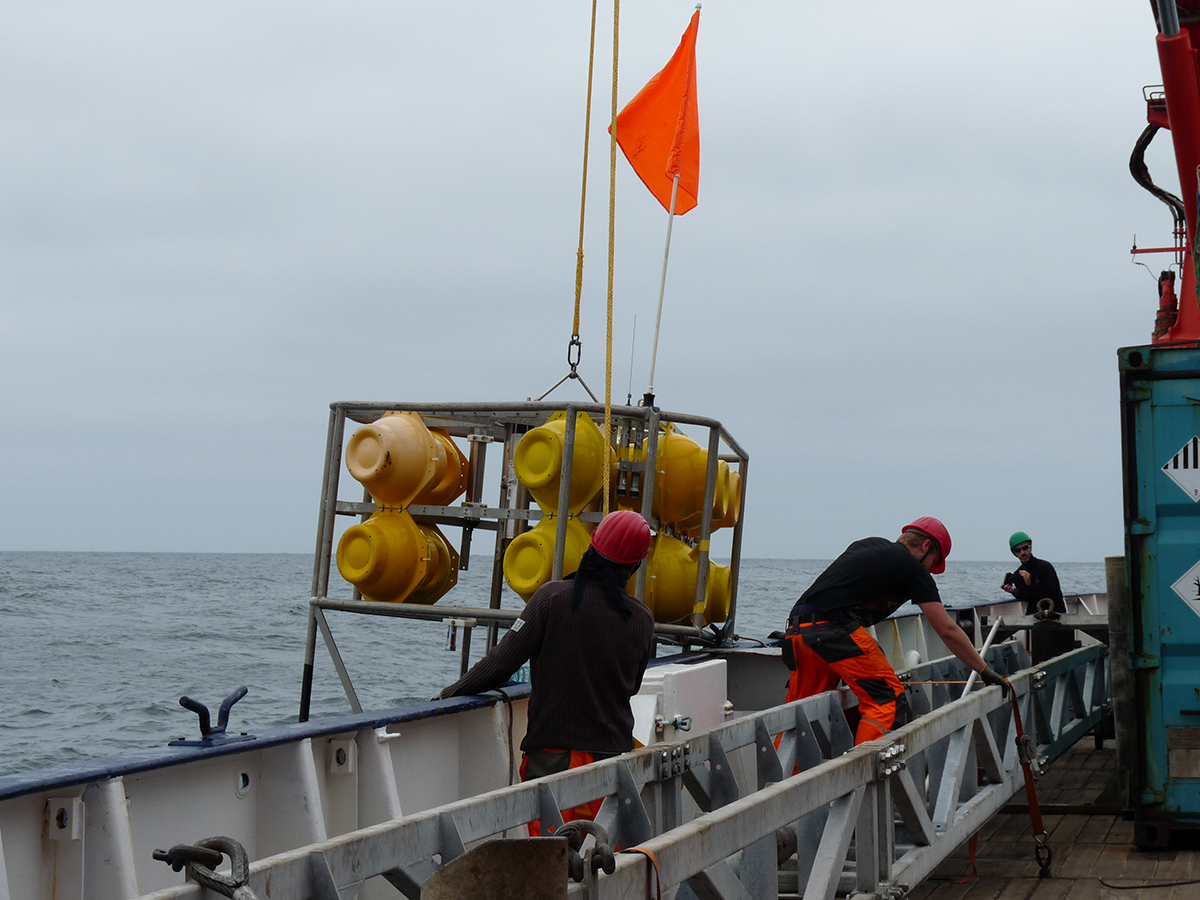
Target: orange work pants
{"points": [[826, 653], [550, 762]]}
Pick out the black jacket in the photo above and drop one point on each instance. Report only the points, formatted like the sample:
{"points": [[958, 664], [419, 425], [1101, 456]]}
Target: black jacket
{"points": [[1043, 582]]}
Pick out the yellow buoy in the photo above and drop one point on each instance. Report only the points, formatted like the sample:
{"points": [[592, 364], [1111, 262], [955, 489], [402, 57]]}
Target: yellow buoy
{"points": [[442, 572], [682, 469], [395, 458], [450, 473], [385, 557], [538, 462], [671, 574], [529, 559], [733, 508]]}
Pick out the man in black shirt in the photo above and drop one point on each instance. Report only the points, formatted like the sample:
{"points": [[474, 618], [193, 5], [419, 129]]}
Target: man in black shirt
{"points": [[826, 639], [1033, 581], [588, 643], [1037, 577]]}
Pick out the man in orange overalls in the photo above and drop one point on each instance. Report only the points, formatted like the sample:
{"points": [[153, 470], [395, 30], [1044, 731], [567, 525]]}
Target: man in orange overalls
{"points": [[827, 640]]}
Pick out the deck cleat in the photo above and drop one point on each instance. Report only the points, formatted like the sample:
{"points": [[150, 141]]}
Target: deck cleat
{"points": [[209, 736]]}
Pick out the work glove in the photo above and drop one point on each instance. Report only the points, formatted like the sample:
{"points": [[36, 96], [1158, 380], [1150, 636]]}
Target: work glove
{"points": [[992, 678]]}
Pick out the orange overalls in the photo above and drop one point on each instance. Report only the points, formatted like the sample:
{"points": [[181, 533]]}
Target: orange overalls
{"points": [[824, 653], [546, 762]]}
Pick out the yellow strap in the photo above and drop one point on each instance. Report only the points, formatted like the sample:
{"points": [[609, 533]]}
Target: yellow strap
{"points": [[612, 231], [587, 130]]}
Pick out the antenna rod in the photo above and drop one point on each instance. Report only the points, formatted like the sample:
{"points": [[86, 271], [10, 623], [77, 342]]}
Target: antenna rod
{"points": [[632, 345], [662, 286]]}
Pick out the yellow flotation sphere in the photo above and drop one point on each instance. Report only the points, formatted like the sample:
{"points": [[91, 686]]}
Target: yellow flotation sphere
{"points": [[682, 469], [671, 574], [733, 508], [529, 559], [450, 472], [394, 458], [538, 461], [385, 557], [718, 593], [442, 572]]}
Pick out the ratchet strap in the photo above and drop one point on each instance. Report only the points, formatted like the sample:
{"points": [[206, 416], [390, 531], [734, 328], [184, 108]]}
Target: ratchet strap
{"points": [[972, 846], [1027, 753], [649, 854]]}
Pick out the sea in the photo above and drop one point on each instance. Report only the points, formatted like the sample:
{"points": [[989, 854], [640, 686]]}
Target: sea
{"points": [[97, 648]]}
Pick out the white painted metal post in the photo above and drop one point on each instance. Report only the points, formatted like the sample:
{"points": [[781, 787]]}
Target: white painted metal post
{"points": [[984, 649], [662, 285]]}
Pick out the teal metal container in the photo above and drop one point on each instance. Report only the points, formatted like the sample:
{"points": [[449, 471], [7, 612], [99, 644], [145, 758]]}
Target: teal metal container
{"points": [[1160, 443]]}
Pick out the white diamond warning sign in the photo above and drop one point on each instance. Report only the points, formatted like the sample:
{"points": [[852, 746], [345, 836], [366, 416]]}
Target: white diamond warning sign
{"points": [[1184, 468], [1188, 588]]}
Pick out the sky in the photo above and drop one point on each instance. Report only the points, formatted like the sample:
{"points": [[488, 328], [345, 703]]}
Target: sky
{"points": [[902, 290]]}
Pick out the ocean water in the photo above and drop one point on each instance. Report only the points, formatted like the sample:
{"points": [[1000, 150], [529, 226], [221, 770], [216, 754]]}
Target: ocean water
{"points": [[97, 648]]}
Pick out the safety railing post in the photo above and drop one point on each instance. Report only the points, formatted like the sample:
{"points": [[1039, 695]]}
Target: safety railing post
{"points": [[710, 492]]}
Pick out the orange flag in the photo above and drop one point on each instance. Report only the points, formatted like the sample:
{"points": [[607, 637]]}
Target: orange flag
{"points": [[659, 129]]}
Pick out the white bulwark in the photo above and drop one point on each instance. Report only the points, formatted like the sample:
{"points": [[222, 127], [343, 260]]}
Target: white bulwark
{"points": [[1188, 588], [1184, 468]]}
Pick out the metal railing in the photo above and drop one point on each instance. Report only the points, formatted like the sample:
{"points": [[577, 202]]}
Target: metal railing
{"points": [[715, 810]]}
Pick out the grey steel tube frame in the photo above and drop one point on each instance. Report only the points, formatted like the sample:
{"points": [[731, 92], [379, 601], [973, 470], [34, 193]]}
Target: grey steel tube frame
{"points": [[535, 412]]}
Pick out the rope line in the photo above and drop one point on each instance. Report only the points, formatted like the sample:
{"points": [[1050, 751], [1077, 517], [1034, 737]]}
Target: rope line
{"points": [[587, 130], [1145, 885], [612, 232]]}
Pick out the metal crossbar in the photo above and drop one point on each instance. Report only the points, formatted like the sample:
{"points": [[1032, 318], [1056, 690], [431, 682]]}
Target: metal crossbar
{"points": [[714, 810]]}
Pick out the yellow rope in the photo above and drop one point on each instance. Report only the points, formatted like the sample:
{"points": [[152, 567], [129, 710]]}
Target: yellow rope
{"points": [[612, 231], [587, 130]]}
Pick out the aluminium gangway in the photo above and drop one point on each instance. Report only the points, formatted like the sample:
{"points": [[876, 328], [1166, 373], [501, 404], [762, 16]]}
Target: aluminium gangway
{"points": [[714, 810]]}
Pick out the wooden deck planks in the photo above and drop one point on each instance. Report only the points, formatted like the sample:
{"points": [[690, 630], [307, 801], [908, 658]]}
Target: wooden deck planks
{"points": [[1086, 847]]}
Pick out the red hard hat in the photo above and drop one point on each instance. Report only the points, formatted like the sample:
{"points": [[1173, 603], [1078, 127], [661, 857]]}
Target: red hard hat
{"points": [[936, 530], [623, 537]]}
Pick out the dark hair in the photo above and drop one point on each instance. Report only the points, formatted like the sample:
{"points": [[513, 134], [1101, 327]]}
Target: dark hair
{"points": [[611, 576]]}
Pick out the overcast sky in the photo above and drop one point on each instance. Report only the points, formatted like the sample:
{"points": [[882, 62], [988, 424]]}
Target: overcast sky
{"points": [[903, 288]]}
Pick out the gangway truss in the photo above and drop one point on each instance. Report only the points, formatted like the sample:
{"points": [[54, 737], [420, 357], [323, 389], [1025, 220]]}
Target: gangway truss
{"points": [[715, 810]]}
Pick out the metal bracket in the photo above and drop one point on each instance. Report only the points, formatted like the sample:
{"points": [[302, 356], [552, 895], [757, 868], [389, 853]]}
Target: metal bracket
{"points": [[472, 511], [680, 723], [672, 761], [65, 818], [1027, 753], [452, 626], [890, 760], [892, 892]]}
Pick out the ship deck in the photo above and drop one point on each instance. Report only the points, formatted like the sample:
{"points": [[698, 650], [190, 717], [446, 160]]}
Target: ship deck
{"points": [[1091, 840]]}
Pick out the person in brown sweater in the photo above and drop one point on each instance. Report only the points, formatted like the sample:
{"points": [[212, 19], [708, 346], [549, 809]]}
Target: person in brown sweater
{"points": [[587, 642]]}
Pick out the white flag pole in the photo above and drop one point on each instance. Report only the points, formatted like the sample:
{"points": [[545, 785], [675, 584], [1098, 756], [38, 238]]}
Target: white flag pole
{"points": [[662, 286]]}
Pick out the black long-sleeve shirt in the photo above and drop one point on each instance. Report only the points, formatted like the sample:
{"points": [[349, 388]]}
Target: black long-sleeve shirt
{"points": [[1043, 582], [584, 664]]}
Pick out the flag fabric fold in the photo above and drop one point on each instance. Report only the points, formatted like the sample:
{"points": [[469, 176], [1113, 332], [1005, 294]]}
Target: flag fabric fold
{"points": [[659, 129]]}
